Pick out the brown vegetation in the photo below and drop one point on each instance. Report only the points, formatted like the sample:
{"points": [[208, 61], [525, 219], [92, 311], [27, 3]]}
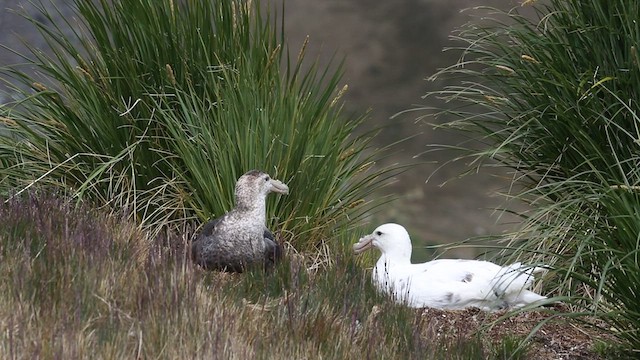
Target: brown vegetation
{"points": [[79, 283]]}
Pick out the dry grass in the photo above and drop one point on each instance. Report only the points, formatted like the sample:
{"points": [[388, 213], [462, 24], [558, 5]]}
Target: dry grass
{"points": [[82, 284]]}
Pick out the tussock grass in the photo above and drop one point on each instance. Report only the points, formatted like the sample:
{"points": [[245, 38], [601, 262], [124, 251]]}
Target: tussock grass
{"points": [[157, 107], [554, 97]]}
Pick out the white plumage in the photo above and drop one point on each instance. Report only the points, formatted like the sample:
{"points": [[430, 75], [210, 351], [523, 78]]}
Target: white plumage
{"points": [[445, 283]]}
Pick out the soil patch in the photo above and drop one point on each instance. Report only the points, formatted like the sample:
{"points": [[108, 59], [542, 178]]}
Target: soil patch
{"points": [[558, 337]]}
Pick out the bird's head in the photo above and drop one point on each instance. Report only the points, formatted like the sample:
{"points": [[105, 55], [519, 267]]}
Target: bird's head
{"points": [[390, 239], [255, 185]]}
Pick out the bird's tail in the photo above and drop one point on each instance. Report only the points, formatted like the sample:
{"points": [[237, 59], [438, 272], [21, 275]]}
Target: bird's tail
{"points": [[523, 298], [515, 278]]}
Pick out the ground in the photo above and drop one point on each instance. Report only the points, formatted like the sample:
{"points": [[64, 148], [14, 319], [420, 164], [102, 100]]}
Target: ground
{"points": [[558, 338]]}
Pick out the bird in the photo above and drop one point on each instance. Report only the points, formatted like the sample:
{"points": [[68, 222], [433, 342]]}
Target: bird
{"points": [[239, 239], [450, 284]]}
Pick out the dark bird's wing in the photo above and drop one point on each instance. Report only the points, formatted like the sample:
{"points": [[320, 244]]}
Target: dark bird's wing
{"points": [[268, 235], [272, 250], [209, 227], [197, 245]]}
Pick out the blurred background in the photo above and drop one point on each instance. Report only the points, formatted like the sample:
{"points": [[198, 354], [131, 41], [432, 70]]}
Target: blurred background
{"points": [[390, 48]]}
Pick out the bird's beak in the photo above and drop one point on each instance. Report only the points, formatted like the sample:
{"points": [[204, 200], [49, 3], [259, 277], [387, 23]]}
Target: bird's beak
{"points": [[279, 187], [365, 243]]}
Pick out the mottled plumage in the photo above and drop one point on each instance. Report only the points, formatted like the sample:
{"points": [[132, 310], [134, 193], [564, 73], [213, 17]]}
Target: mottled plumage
{"points": [[445, 283], [240, 238]]}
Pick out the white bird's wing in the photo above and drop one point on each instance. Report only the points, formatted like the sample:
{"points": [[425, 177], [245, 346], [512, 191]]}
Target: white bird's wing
{"points": [[452, 284], [457, 270]]}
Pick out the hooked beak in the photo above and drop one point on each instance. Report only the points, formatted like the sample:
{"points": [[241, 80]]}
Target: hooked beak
{"points": [[279, 187], [365, 243]]}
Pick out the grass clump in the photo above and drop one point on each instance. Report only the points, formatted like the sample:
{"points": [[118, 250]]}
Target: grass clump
{"points": [[157, 107], [554, 97]]}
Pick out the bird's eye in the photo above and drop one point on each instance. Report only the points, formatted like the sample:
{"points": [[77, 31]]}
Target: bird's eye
{"points": [[378, 233], [266, 178]]}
